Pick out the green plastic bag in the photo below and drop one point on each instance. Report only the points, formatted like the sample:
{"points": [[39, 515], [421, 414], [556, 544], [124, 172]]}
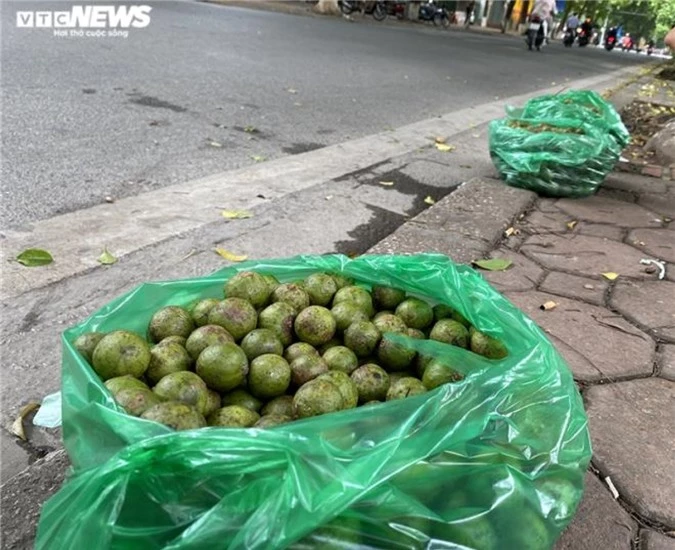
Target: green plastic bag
{"points": [[558, 146], [494, 461]]}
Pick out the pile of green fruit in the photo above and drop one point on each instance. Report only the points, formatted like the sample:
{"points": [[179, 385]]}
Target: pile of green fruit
{"points": [[272, 352]]}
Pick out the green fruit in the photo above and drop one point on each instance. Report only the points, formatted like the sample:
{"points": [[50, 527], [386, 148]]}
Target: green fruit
{"points": [[282, 406], [315, 325], [332, 343], [347, 387], [119, 383], [405, 387], [436, 374], [298, 349], [233, 416], [415, 333], [87, 342], [489, 347], [205, 336], [249, 286], [321, 288], [441, 311], [293, 294], [306, 368], [341, 281], [386, 297], [223, 367], [346, 313], [243, 398], [213, 403], [390, 323], [421, 363], [373, 402], [186, 387], [180, 340], [170, 321], [137, 400], [394, 356], [272, 282], [121, 352], [362, 337], [457, 316], [342, 533], [235, 315], [317, 397], [279, 318], [261, 341], [396, 376], [200, 311], [372, 383], [271, 420], [176, 415], [341, 358], [415, 313], [356, 295], [269, 376], [450, 332], [165, 359]]}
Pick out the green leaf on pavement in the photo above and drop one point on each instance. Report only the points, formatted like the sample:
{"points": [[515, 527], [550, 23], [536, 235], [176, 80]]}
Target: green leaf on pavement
{"points": [[106, 258], [258, 158], [495, 264], [34, 257], [429, 200], [250, 129], [236, 214]]}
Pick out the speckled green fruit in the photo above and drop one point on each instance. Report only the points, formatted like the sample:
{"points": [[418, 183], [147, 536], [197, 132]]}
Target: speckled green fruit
{"points": [[332, 343], [137, 400], [272, 282], [396, 376], [235, 315], [298, 349], [386, 297], [450, 332], [321, 288], [372, 382], [441, 311], [347, 387], [317, 397], [243, 398], [223, 367], [415, 333], [390, 323], [394, 357], [186, 387], [87, 342], [485, 345], [306, 368], [120, 383], [176, 415], [200, 311], [282, 405], [356, 295], [341, 281], [233, 416], [249, 286], [213, 403], [205, 336], [314, 325], [180, 340], [121, 352], [415, 313], [341, 358], [292, 294], [421, 363], [436, 374], [362, 338], [269, 376], [170, 321], [346, 313], [405, 387], [261, 341], [457, 316], [279, 318], [271, 420], [165, 359]]}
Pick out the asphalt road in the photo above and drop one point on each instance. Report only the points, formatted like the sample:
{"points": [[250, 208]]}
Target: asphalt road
{"points": [[85, 118]]}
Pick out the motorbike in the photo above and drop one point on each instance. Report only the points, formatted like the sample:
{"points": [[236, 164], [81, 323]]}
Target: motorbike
{"points": [[583, 38], [377, 9], [610, 40], [568, 38], [396, 9], [535, 32], [430, 12], [650, 48]]}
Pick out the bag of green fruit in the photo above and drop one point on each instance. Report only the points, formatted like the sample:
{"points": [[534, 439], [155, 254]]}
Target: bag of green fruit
{"points": [[317, 402]]}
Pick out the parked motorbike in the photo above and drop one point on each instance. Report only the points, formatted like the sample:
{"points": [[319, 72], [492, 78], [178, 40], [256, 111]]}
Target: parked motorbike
{"points": [[377, 9], [610, 39], [431, 12], [535, 32], [568, 38], [396, 9]]}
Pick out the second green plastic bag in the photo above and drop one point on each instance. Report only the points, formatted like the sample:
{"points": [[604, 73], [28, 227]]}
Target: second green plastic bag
{"points": [[494, 461]]}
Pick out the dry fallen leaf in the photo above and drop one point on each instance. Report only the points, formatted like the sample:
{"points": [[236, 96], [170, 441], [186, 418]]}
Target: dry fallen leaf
{"points": [[17, 425], [610, 275], [106, 258], [258, 158], [571, 225], [386, 183], [510, 231], [445, 148], [429, 200], [547, 306], [236, 214], [229, 255], [439, 139]]}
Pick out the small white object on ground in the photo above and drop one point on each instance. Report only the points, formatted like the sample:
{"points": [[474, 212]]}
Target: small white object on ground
{"points": [[658, 263]]}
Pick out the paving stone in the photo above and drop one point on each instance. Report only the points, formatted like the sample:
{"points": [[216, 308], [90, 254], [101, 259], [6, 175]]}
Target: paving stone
{"points": [[524, 274], [600, 522], [14, 458], [634, 183], [651, 540], [575, 287], [653, 170], [547, 205], [601, 209], [601, 230], [545, 222], [666, 359], [616, 194], [650, 304], [597, 344], [584, 255], [662, 204], [632, 425], [659, 243]]}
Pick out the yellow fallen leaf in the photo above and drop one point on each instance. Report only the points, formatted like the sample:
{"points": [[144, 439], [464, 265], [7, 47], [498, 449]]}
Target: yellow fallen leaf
{"points": [[17, 425], [510, 231], [439, 139], [547, 306], [445, 148], [106, 258], [386, 183], [429, 200], [571, 225], [610, 275], [236, 214], [229, 255]]}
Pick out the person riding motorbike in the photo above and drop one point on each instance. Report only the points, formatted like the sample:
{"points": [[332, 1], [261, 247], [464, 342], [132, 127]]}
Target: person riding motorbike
{"points": [[544, 10], [586, 31]]}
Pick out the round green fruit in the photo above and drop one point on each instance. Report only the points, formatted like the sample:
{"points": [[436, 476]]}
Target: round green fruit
{"points": [[165, 359], [362, 338], [271, 420], [485, 345], [200, 311], [306, 368], [233, 416], [269, 376], [176, 415], [137, 400], [223, 367], [405, 387], [120, 383], [450, 332], [390, 323], [213, 403], [415, 313], [298, 349], [317, 397], [394, 356], [356, 295], [261, 341], [282, 405], [87, 342], [279, 318], [121, 352], [346, 313], [292, 294], [341, 358], [386, 297], [170, 321], [249, 286], [243, 398], [315, 325], [436, 374], [205, 336], [235, 315], [372, 382], [186, 387], [347, 387]]}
